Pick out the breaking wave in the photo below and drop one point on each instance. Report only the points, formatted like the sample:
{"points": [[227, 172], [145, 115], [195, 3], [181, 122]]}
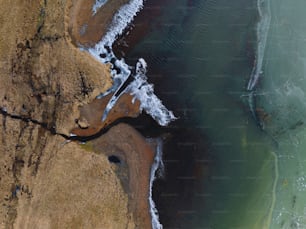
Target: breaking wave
{"points": [[98, 5], [157, 170], [120, 71], [138, 87], [262, 33]]}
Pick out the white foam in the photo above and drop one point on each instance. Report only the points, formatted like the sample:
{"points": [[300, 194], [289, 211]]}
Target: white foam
{"points": [[98, 5], [262, 33], [121, 20], [149, 102], [157, 166], [140, 88]]}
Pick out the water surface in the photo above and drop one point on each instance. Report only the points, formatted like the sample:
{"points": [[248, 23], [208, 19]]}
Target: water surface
{"points": [[222, 169]]}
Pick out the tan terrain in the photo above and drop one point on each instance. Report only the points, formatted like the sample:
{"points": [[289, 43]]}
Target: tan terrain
{"points": [[45, 180]]}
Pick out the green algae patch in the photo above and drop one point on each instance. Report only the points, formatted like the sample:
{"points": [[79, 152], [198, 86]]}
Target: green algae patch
{"points": [[87, 146]]}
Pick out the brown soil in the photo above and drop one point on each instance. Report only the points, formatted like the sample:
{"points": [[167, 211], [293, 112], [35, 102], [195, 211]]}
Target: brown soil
{"points": [[43, 76], [44, 182], [72, 189], [90, 120], [86, 29], [136, 157]]}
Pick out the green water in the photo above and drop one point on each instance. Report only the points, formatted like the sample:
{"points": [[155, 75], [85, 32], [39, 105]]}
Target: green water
{"points": [[282, 95], [200, 56], [240, 193]]}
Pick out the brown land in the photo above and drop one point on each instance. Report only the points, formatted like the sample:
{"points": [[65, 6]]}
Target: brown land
{"points": [[45, 181], [136, 157], [90, 120]]}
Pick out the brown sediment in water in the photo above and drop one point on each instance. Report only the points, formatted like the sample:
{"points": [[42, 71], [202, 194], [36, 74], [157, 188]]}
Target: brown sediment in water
{"points": [[87, 29], [90, 120], [147, 20], [136, 157], [142, 25]]}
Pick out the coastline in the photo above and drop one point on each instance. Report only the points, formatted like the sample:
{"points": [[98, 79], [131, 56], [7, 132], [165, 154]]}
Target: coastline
{"points": [[136, 157], [52, 79], [87, 29], [137, 96]]}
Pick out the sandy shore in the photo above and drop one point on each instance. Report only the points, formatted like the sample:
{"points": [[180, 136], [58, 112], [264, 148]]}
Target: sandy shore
{"points": [[86, 29], [136, 158]]}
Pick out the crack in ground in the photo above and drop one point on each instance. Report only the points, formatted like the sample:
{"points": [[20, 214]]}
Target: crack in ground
{"points": [[26, 119], [53, 131]]}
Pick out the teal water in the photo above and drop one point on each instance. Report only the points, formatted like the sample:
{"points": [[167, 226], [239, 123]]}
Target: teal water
{"points": [[222, 169], [282, 95]]}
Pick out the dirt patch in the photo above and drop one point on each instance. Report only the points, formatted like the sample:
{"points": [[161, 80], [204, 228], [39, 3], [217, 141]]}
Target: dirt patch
{"points": [[90, 120], [74, 188], [134, 156]]}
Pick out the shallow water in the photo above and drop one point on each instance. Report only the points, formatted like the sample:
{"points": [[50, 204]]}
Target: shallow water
{"points": [[282, 95], [224, 167], [220, 167]]}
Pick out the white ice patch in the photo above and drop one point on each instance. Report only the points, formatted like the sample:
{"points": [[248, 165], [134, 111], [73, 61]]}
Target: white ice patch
{"points": [[98, 5], [156, 169], [262, 34]]}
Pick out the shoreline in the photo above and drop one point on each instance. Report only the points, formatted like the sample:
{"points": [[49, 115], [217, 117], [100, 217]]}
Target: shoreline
{"points": [[135, 157], [48, 181], [138, 94], [85, 29]]}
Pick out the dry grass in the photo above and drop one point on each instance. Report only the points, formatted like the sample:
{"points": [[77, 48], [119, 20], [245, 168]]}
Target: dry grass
{"points": [[43, 77]]}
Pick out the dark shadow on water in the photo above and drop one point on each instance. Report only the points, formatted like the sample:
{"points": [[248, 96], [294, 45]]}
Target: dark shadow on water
{"points": [[188, 162]]}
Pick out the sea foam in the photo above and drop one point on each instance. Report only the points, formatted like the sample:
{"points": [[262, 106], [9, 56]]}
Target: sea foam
{"points": [[98, 5], [157, 169], [120, 71], [262, 31], [139, 86]]}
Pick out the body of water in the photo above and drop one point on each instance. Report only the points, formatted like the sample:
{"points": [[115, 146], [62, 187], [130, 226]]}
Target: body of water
{"points": [[233, 72], [220, 166]]}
